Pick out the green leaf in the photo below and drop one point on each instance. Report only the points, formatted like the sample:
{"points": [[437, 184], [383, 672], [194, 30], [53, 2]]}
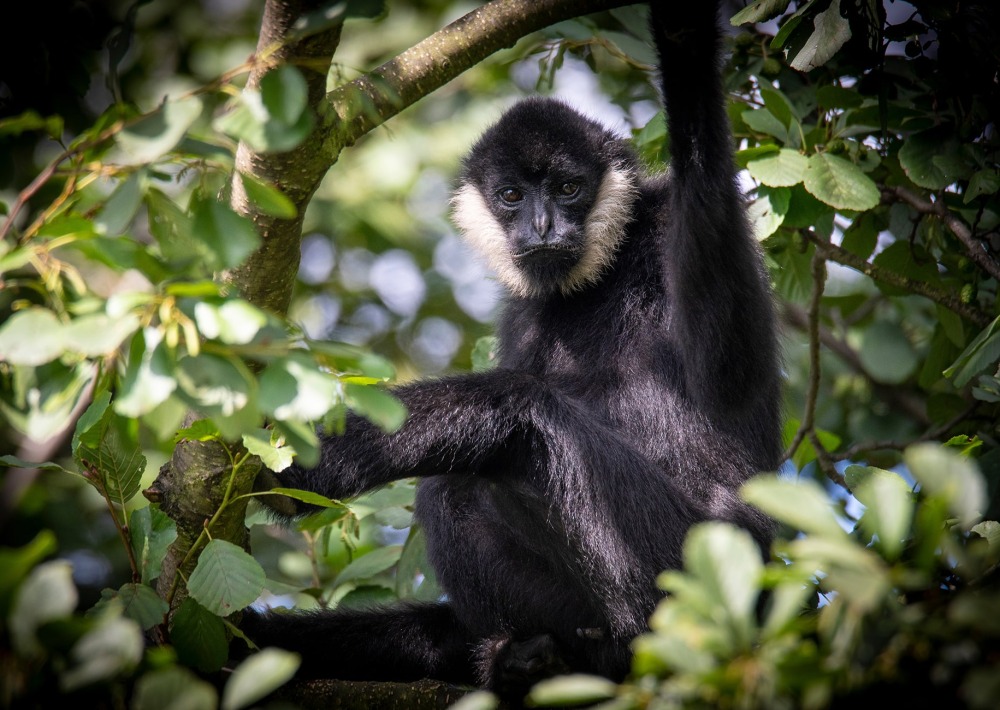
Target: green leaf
{"points": [[110, 459], [268, 199], [273, 119], [141, 604], [983, 182], [982, 352], [916, 156], [572, 690], [302, 437], [763, 121], [376, 405], [199, 637], [477, 700], [260, 442], [415, 577], [230, 237], [855, 573], [990, 531], [889, 507], [226, 578], [150, 376], [173, 688], [840, 183], [151, 533], [308, 497], [158, 133], [118, 212], [32, 336], [767, 212], [259, 676], [114, 647], [727, 564], [759, 11], [213, 383], [91, 417], [887, 354], [295, 387], [236, 322], [782, 169], [17, 564], [97, 334], [802, 505], [173, 228], [284, 93], [946, 475], [831, 32], [369, 565], [46, 595], [200, 430]]}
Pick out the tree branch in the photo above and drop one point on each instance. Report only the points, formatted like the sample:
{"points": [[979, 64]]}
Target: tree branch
{"points": [[832, 252], [901, 401], [267, 277], [360, 105], [951, 220]]}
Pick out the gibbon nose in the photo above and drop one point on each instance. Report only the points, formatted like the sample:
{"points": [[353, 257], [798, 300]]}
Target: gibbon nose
{"points": [[542, 223]]}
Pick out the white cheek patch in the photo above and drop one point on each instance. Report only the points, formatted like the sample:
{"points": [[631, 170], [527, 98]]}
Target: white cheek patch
{"points": [[605, 228], [604, 231], [481, 229]]}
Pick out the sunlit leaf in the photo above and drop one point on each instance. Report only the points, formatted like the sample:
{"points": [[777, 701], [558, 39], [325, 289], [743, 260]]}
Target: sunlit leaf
{"points": [[803, 505], [572, 690], [47, 594], [173, 688], [157, 134], [376, 405], [759, 11], [32, 336], [840, 183], [259, 676], [831, 32], [118, 212], [951, 477], [782, 169], [112, 648]]}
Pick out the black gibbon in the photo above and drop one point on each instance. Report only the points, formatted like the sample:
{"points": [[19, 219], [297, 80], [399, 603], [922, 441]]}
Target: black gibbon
{"points": [[637, 388]]}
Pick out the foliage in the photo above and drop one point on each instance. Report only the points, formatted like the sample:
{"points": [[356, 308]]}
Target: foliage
{"points": [[870, 162], [904, 593]]}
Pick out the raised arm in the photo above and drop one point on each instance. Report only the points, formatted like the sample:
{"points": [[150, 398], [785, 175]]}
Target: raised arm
{"points": [[722, 317]]}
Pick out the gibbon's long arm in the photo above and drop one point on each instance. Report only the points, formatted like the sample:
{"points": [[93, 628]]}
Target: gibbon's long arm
{"points": [[722, 317], [455, 425]]}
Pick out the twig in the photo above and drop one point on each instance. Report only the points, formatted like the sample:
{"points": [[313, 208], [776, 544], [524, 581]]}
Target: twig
{"points": [[832, 252], [951, 220], [931, 434], [818, 267]]}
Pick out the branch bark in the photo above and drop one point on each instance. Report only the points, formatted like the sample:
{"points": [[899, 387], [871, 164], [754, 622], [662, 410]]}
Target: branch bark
{"points": [[949, 300], [959, 228]]}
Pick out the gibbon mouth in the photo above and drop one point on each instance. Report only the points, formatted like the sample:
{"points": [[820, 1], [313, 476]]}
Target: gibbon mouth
{"points": [[546, 252]]}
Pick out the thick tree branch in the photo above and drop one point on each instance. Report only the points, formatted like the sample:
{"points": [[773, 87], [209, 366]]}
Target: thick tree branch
{"points": [[951, 301], [959, 228], [267, 277], [370, 100]]}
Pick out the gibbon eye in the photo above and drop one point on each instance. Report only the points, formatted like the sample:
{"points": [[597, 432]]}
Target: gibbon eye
{"points": [[569, 189], [511, 195]]}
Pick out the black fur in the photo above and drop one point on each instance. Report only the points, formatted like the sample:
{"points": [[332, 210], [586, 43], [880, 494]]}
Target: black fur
{"points": [[556, 487]]}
